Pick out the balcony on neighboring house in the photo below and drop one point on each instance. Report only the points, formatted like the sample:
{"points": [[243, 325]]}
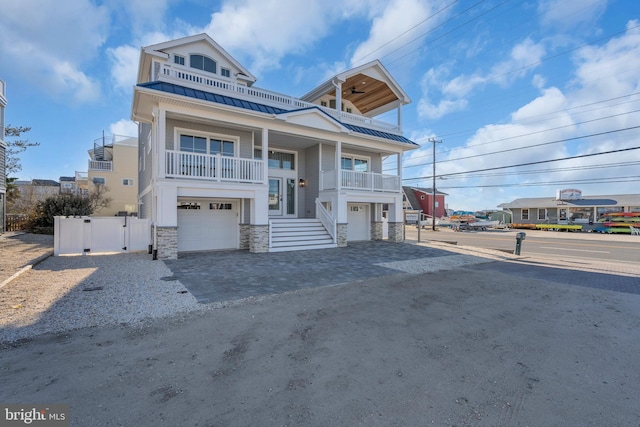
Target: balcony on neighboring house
{"points": [[100, 165], [188, 77]]}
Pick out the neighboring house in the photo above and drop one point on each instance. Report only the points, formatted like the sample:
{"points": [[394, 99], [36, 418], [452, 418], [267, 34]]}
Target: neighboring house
{"points": [[569, 206], [77, 184], [113, 163], [36, 190], [416, 198], [226, 165], [3, 159]]}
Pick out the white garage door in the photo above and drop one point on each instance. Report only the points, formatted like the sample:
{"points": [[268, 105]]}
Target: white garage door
{"points": [[204, 226], [358, 219]]}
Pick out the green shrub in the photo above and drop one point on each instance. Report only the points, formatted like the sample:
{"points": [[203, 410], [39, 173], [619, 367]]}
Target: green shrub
{"points": [[65, 204]]}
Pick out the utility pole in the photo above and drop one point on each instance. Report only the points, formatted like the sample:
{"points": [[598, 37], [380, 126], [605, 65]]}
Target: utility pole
{"points": [[433, 212]]}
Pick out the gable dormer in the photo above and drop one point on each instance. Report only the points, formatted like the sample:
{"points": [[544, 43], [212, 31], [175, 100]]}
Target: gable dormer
{"points": [[199, 55], [367, 90]]}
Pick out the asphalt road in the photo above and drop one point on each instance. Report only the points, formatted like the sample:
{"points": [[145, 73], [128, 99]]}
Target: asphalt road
{"points": [[493, 344], [543, 243]]}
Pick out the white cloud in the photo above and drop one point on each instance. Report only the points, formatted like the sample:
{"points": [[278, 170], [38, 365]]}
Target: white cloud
{"points": [[566, 115], [264, 31], [566, 15], [402, 23], [47, 43], [124, 66], [124, 127], [523, 57]]}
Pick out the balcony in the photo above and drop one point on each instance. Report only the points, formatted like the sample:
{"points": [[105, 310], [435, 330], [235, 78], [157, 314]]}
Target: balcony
{"points": [[359, 181], [209, 167], [100, 165], [192, 78]]}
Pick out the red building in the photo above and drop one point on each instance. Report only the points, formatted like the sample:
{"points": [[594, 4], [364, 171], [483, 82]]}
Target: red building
{"points": [[416, 198]]}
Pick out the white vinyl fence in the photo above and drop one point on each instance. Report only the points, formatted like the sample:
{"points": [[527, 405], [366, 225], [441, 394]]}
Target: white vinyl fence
{"points": [[82, 235]]}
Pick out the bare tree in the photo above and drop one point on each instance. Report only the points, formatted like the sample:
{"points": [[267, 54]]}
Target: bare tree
{"points": [[98, 198]]}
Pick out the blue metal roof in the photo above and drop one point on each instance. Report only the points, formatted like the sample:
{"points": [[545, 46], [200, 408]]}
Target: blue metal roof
{"points": [[254, 106]]}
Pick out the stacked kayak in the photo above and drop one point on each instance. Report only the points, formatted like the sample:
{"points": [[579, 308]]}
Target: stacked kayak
{"points": [[619, 222]]}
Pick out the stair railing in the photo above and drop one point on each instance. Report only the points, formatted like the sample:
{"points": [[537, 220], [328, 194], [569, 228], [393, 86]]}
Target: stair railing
{"points": [[327, 220]]}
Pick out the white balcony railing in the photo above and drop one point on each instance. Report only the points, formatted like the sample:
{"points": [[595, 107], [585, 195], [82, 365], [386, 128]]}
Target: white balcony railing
{"points": [[365, 181], [179, 164], [189, 77], [100, 165]]}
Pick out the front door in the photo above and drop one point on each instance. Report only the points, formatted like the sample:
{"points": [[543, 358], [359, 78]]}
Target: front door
{"points": [[275, 196], [282, 196]]}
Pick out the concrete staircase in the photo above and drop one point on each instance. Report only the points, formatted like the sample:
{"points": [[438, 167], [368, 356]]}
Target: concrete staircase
{"points": [[297, 234]]}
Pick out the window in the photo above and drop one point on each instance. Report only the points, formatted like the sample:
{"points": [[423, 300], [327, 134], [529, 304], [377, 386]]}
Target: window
{"points": [[277, 159], [193, 144], [204, 145], [219, 146], [197, 163], [202, 63], [542, 214], [177, 59], [127, 181], [323, 103], [97, 180], [225, 72], [189, 205], [354, 164], [221, 206], [525, 214]]}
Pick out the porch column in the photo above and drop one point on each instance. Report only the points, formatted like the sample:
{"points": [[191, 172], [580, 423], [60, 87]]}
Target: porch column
{"points": [[265, 154], [338, 85], [161, 143], [259, 221], [396, 220], [338, 165], [399, 116]]}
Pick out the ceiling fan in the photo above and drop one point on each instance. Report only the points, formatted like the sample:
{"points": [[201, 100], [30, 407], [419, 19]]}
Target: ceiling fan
{"points": [[354, 91]]}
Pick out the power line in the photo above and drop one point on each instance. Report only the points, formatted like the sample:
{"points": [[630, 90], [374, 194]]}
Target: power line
{"points": [[591, 181], [407, 31], [533, 146], [528, 163]]}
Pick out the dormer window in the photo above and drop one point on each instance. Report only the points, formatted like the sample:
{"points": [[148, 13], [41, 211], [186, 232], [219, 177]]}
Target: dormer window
{"points": [[203, 63], [177, 59]]}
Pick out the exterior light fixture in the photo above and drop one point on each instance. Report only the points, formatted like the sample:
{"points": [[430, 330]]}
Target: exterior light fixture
{"points": [[302, 183]]}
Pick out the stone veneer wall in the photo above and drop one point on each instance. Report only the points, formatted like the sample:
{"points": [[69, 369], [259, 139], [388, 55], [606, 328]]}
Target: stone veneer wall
{"points": [[376, 230], [396, 232], [245, 236], [259, 239], [342, 235], [167, 242]]}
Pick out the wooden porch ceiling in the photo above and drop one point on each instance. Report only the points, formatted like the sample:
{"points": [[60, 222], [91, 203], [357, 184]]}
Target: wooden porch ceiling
{"points": [[375, 93]]}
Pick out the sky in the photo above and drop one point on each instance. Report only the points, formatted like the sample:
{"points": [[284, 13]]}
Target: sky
{"points": [[526, 97]]}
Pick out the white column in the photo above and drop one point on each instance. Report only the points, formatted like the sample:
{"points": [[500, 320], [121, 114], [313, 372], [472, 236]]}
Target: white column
{"points": [[400, 116], [161, 144], [338, 85], [265, 154], [338, 165]]}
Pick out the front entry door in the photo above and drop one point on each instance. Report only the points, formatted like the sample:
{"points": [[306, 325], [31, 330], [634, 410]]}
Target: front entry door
{"points": [[275, 196], [282, 196]]}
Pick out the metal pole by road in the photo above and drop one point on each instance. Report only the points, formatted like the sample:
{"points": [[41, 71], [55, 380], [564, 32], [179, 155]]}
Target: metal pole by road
{"points": [[433, 188]]}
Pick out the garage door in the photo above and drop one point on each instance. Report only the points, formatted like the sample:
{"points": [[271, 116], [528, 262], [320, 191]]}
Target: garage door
{"points": [[358, 219], [205, 226]]}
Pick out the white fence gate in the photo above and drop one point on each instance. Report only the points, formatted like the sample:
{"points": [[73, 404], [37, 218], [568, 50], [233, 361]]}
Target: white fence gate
{"points": [[81, 235]]}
